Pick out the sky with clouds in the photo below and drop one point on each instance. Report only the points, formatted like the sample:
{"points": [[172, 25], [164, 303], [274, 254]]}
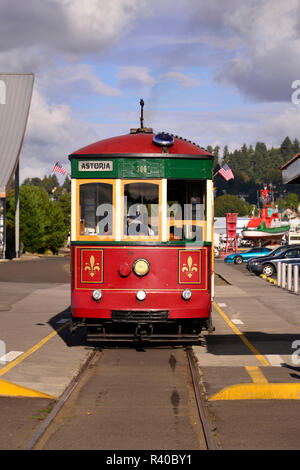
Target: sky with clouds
{"points": [[217, 72]]}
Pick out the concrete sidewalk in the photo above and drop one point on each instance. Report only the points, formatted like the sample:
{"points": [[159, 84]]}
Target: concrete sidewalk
{"points": [[250, 364], [263, 296]]}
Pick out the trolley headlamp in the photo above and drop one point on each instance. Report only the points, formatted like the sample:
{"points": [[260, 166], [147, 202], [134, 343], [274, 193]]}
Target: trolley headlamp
{"points": [[186, 294], [141, 267], [97, 294]]}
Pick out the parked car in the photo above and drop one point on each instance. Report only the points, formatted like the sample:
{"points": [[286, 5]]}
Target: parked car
{"points": [[274, 252], [267, 265], [243, 256]]}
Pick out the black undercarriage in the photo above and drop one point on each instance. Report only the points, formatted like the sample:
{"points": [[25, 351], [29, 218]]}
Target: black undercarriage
{"points": [[127, 326]]}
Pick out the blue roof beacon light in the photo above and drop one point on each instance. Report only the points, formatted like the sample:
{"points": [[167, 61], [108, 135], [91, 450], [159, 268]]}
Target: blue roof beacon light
{"points": [[163, 139]]}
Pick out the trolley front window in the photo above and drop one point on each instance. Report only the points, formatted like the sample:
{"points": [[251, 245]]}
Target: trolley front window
{"points": [[96, 209], [141, 217]]}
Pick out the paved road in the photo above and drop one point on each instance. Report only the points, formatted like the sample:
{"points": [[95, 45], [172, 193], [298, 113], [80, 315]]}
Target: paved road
{"points": [[34, 311], [250, 356], [131, 399], [34, 306]]}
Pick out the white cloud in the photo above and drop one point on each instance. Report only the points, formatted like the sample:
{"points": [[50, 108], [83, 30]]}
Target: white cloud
{"points": [[68, 26], [181, 78], [52, 134], [74, 80], [267, 61], [132, 76]]}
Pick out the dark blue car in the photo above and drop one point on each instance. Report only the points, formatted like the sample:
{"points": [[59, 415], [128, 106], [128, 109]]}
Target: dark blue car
{"points": [[268, 264], [242, 257]]}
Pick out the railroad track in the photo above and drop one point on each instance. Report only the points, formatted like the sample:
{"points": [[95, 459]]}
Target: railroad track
{"points": [[93, 358], [206, 426], [47, 422]]}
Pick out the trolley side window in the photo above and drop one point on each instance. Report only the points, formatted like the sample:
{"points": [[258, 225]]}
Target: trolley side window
{"points": [[186, 210], [96, 209], [141, 210]]}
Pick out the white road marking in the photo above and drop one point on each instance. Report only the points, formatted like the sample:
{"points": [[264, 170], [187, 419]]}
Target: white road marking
{"points": [[222, 305], [9, 357], [275, 360], [237, 321]]}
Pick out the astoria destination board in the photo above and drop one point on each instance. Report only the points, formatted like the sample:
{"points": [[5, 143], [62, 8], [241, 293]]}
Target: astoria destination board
{"points": [[95, 166]]}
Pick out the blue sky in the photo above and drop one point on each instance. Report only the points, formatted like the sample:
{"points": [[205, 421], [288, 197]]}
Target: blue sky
{"points": [[218, 72]]}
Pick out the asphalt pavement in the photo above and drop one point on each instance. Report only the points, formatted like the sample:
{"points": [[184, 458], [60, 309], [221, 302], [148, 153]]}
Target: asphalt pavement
{"points": [[249, 366]]}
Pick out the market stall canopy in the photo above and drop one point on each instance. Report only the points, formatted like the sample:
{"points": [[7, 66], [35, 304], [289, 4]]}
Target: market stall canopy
{"points": [[15, 98]]}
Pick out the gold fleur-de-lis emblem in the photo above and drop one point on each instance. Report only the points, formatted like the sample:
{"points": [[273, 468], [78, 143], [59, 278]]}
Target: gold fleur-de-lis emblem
{"points": [[190, 267], [92, 267]]}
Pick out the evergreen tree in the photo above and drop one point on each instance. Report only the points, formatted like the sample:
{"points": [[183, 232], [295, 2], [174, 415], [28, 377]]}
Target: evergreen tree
{"points": [[296, 146], [67, 184], [286, 150], [226, 155], [261, 162]]}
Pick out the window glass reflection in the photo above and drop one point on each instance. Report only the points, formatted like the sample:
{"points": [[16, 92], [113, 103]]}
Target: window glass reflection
{"points": [[186, 209], [96, 209], [141, 209]]}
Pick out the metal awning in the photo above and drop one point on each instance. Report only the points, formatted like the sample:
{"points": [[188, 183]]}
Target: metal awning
{"points": [[15, 98], [291, 170]]}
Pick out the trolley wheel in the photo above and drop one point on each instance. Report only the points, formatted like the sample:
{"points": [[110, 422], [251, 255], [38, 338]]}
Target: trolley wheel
{"points": [[238, 260]]}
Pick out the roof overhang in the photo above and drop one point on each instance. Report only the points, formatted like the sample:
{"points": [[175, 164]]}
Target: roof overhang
{"points": [[291, 170], [15, 99]]}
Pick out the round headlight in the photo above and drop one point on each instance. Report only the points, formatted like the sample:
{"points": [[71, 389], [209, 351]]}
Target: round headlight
{"points": [[186, 294], [141, 267], [97, 294], [141, 295]]}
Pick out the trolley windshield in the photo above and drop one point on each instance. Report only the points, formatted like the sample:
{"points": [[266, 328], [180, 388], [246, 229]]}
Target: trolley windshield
{"points": [[141, 210]]}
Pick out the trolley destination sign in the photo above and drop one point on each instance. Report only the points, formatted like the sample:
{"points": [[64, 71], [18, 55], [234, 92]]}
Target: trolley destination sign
{"points": [[95, 165]]}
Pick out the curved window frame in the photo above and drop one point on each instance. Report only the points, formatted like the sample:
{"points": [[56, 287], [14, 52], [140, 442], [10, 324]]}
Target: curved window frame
{"points": [[95, 237], [148, 238]]}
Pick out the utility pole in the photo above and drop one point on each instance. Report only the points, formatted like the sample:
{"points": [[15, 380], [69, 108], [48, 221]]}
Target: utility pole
{"points": [[17, 212]]}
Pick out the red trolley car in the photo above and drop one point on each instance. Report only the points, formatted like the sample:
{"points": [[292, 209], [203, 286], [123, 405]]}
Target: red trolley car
{"points": [[141, 238]]}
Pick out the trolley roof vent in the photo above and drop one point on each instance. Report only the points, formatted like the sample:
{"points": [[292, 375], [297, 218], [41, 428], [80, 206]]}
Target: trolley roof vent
{"points": [[163, 139]]}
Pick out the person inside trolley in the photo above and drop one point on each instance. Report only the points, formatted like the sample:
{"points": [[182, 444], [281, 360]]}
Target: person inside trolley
{"points": [[136, 225]]}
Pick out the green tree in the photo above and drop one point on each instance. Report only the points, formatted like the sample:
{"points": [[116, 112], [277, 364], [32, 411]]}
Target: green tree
{"points": [[64, 201], [42, 221], [67, 184], [261, 161], [32, 226], [286, 150], [230, 203], [291, 201]]}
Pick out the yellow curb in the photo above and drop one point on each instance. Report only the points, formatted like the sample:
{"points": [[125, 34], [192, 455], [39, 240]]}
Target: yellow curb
{"points": [[259, 391], [10, 389]]}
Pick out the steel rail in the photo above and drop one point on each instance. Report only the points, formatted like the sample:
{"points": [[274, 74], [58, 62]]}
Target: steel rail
{"points": [[210, 441], [60, 403]]}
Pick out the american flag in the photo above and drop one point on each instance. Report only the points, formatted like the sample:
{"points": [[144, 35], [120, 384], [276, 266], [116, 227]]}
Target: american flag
{"points": [[226, 172], [58, 168]]}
